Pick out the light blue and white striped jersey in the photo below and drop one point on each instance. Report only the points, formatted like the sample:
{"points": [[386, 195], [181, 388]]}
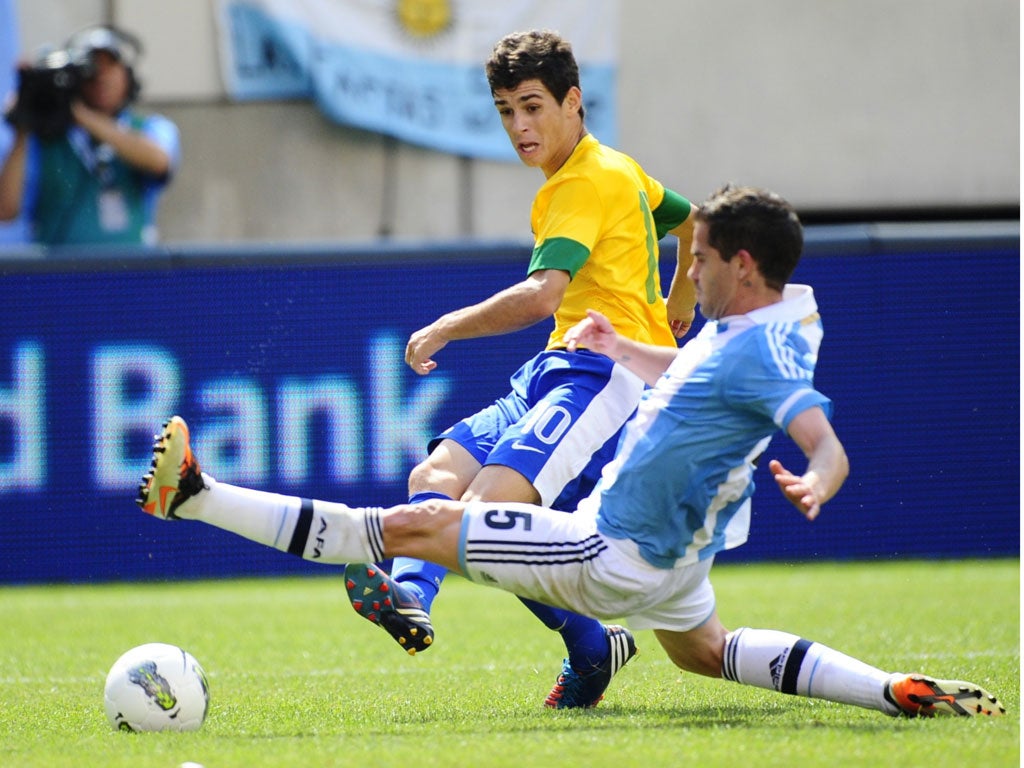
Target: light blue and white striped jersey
{"points": [[681, 482]]}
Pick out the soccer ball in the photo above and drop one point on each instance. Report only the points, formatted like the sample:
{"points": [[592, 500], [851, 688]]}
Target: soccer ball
{"points": [[156, 687]]}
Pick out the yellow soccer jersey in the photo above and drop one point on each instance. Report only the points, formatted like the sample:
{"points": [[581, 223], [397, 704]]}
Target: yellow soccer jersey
{"points": [[599, 217]]}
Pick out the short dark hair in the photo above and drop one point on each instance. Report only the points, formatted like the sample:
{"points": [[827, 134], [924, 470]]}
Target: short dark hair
{"points": [[539, 54], [759, 222]]}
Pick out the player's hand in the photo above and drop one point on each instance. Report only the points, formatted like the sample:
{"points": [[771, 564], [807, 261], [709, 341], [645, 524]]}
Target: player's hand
{"points": [[421, 347], [798, 489], [595, 332], [681, 325]]}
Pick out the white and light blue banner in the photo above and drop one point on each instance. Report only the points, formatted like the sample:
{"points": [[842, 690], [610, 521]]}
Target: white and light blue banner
{"points": [[412, 69]]}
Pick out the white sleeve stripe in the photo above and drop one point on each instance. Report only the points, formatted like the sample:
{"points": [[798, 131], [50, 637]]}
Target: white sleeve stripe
{"points": [[783, 353], [783, 410]]}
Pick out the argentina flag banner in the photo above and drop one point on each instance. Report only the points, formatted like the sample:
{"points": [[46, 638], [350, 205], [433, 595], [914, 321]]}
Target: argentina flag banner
{"points": [[411, 69]]}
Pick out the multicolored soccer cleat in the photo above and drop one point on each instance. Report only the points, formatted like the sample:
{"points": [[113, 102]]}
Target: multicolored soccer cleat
{"points": [[583, 691], [922, 696], [382, 600], [174, 476]]}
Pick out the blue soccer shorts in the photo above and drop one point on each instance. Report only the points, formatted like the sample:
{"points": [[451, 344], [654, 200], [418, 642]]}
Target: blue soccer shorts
{"points": [[557, 427]]}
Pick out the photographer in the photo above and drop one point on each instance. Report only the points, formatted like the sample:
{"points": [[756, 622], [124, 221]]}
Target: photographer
{"points": [[86, 168]]}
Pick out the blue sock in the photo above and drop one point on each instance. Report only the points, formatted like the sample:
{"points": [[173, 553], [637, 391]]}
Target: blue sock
{"points": [[421, 577], [584, 638]]}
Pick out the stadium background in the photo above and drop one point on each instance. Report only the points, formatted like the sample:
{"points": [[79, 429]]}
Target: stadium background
{"points": [[298, 255], [852, 108]]}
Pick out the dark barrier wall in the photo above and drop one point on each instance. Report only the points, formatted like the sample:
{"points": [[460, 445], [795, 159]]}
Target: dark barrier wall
{"points": [[290, 369]]}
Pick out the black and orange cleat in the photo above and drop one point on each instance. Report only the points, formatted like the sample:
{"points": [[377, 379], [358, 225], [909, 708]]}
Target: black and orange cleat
{"points": [[575, 690], [174, 476], [380, 599], [920, 696]]}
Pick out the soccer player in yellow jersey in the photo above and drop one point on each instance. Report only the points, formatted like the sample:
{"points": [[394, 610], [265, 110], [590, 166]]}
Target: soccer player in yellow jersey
{"points": [[597, 220]]}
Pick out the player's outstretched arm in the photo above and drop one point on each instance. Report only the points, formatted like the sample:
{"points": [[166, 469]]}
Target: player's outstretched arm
{"points": [[827, 464], [596, 333], [514, 308]]}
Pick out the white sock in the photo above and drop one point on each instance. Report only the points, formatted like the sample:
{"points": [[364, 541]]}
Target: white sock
{"points": [[321, 531], [783, 662]]}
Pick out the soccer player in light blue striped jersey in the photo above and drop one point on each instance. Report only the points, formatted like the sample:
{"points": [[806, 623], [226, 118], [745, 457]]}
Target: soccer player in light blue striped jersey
{"points": [[677, 493]]}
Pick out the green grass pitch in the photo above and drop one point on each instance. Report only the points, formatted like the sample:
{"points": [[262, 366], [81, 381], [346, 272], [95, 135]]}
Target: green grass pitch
{"points": [[297, 679]]}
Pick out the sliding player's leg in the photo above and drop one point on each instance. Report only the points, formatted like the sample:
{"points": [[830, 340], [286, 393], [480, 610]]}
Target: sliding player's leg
{"points": [[331, 533]]}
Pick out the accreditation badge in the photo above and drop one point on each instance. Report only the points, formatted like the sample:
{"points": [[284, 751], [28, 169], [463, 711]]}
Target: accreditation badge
{"points": [[113, 211]]}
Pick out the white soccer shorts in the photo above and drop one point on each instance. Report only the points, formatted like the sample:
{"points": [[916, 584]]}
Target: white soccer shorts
{"points": [[562, 559]]}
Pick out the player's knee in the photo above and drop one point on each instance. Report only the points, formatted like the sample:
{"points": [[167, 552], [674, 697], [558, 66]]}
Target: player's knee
{"points": [[449, 469], [438, 476], [499, 483], [429, 476], [419, 478]]}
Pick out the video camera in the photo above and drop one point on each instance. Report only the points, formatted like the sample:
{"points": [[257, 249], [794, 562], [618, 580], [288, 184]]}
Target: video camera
{"points": [[48, 87], [45, 92]]}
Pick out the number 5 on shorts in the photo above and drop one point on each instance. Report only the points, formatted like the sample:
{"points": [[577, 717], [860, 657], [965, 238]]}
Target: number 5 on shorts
{"points": [[503, 519]]}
